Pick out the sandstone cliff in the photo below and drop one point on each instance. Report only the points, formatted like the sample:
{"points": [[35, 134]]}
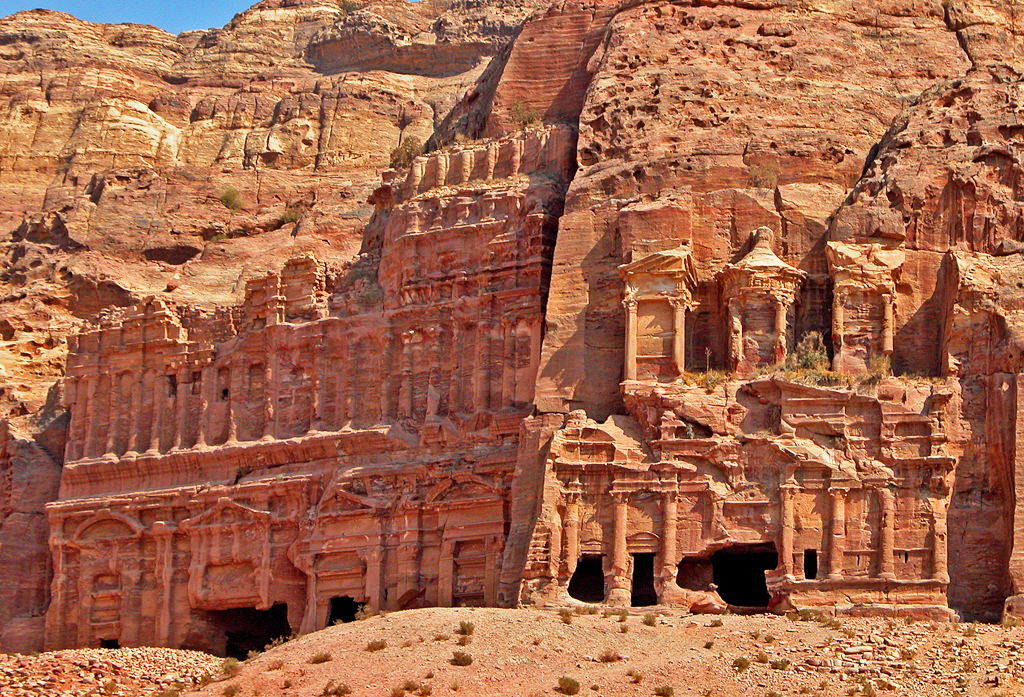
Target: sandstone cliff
{"points": [[587, 157]]}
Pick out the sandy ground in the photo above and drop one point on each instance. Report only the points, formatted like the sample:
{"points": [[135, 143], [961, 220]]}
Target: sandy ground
{"points": [[525, 652]]}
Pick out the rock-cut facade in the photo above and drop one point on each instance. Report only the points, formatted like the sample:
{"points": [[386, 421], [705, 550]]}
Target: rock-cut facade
{"points": [[658, 319]]}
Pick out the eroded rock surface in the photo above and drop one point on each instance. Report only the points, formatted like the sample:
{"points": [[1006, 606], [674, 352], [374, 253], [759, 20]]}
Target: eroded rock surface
{"points": [[706, 304]]}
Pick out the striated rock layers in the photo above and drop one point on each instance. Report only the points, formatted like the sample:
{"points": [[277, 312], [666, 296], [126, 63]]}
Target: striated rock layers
{"points": [[709, 304]]}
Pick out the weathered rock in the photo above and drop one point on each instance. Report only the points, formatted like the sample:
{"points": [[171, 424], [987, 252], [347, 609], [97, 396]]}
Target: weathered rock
{"points": [[723, 311]]}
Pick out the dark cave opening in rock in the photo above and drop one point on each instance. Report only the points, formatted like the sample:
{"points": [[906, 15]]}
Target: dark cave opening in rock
{"points": [[695, 573], [739, 573], [587, 582], [248, 629], [110, 644], [343, 609], [643, 581]]}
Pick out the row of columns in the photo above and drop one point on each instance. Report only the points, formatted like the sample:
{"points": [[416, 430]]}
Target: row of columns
{"points": [[501, 359], [886, 538]]}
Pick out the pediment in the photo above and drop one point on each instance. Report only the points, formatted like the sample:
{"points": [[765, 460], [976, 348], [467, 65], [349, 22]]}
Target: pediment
{"points": [[226, 512]]}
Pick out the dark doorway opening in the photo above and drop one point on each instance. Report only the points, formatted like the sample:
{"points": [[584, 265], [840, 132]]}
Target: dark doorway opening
{"points": [[587, 582], [343, 609], [739, 573], [248, 629], [110, 644], [810, 564], [643, 580]]}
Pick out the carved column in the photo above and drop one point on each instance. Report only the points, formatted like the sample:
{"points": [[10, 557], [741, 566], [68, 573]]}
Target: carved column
{"points": [[406, 399], [631, 331], [492, 560], [234, 400], [317, 381], [670, 523], [572, 533], [787, 493], [887, 536], [114, 410], [372, 557], [202, 423], [619, 593], [837, 534], [887, 327], [735, 334], [446, 574], [270, 392], [781, 330], [89, 414], [159, 407], [940, 552], [838, 324], [164, 571], [679, 333], [180, 410], [135, 406]]}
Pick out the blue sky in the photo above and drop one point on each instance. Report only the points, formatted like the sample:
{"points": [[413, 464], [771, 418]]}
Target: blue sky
{"points": [[173, 15]]}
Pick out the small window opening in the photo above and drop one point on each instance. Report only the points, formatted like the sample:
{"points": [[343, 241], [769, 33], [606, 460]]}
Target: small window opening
{"points": [[224, 394], [810, 563], [172, 381], [110, 644]]}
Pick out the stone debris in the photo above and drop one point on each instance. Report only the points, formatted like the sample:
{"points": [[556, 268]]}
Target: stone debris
{"points": [[125, 671]]}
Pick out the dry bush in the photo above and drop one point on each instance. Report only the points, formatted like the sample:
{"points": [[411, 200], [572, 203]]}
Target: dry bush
{"points": [[568, 686], [320, 657], [461, 658]]}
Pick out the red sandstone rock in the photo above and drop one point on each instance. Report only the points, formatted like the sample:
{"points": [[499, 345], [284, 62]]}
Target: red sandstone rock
{"points": [[727, 297]]}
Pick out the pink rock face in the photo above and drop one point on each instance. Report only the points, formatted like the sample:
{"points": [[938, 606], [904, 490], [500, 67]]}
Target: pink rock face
{"points": [[709, 306]]}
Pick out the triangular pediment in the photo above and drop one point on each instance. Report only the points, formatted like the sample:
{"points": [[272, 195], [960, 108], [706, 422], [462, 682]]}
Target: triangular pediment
{"points": [[226, 510], [672, 262]]}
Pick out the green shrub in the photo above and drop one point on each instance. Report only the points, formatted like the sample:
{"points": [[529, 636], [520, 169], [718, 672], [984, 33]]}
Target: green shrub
{"points": [[461, 658], [232, 199], [465, 628], [292, 214], [779, 664], [741, 664], [376, 645], [320, 657], [523, 116], [709, 644], [635, 676], [665, 691], [566, 615], [568, 686], [717, 622], [610, 656], [650, 619], [231, 690], [408, 150], [230, 666]]}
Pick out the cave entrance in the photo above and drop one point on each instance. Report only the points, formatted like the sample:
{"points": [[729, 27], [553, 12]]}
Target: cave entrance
{"points": [[248, 629], [643, 580], [695, 573], [587, 582], [110, 644], [343, 609], [739, 573]]}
